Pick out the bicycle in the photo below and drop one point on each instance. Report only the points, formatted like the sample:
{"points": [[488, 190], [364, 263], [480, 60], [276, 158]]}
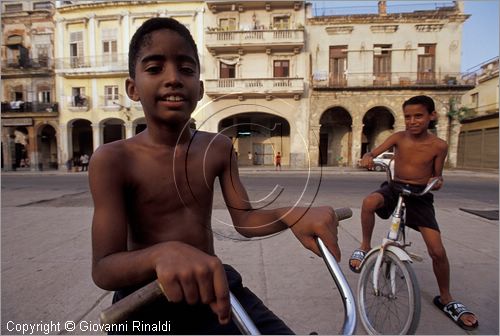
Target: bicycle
{"points": [[388, 291], [121, 310]]}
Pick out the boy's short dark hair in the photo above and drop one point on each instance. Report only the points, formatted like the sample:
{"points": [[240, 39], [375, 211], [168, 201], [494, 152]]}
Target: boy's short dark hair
{"points": [[142, 38], [421, 100], [425, 101]]}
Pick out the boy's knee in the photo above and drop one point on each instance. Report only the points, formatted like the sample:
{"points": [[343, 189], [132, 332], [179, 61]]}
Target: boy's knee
{"points": [[373, 202], [437, 254]]}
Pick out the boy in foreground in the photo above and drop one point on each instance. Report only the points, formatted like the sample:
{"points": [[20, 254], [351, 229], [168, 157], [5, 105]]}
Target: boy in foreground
{"points": [[153, 199], [419, 157]]}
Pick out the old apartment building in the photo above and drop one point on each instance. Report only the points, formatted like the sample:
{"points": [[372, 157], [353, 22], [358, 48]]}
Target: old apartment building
{"points": [[29, 104], [364, 66]]}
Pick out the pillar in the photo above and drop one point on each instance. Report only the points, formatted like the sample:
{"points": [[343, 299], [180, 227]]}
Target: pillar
{"points": [[96, 135], [357, 135]]}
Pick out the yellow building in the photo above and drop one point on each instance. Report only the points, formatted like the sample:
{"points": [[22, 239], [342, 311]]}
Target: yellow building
{"points": [[254, 75], [92, 66], [478, 139]]}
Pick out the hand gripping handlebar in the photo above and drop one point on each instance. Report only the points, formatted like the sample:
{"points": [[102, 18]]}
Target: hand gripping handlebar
{"points": [[123, 309]]}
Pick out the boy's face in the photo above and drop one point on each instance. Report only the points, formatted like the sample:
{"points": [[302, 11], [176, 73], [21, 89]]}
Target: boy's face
{"points": [[417, 118], [167, 78]]}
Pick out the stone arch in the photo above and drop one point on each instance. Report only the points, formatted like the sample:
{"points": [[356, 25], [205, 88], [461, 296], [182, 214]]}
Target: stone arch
{"points": [[47, 146], [335, 140], [139, 125], [258, 137], [80, 137], [378, 125], [113, 129]]}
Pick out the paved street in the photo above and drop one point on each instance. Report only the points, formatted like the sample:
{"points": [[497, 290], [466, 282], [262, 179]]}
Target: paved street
{"points": [[46, 250]]}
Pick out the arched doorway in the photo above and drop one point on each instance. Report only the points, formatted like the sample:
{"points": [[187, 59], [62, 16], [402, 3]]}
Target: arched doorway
{"points": [[140, 125], [335, 137], [47, 148], [257, 137], [21, 141], [378, 125], [81, 137], [113, 130]]}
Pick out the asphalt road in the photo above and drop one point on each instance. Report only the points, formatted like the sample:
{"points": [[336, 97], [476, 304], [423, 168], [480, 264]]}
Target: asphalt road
{"points": [[273, 189]]}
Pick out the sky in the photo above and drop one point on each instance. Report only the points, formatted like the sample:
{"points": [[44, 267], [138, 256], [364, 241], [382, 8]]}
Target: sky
{"points": [[480, 34]]}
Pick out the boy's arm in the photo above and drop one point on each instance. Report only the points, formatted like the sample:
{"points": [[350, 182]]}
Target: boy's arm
{"points": [[184, 272], [367, 159], [442, 152], [306, 223]]}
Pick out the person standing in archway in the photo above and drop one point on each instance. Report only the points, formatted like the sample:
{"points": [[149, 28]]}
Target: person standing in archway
{"points": [[277, 160]]}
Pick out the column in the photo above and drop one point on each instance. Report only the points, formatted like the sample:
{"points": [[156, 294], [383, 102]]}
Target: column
{"points": [[7, 143], [357, 135], [96, 135], [95, 96], [125, 23], [65, 142], [314, 145], [33, 149], [129, 130], [92, 40]]}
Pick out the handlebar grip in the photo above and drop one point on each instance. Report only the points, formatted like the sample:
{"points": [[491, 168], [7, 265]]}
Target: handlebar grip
{"points": [[343, 213], [123, 309]]}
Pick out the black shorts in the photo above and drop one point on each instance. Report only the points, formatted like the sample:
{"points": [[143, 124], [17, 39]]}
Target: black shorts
{"points": [[419, 210], [199, 319]]}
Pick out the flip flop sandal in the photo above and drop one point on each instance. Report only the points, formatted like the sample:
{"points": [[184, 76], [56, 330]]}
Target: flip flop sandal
{"points": [[455, 310], [359, 255]]}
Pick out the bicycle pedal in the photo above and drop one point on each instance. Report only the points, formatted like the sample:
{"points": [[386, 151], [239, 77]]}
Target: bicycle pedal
{"points": [[415, 257]]}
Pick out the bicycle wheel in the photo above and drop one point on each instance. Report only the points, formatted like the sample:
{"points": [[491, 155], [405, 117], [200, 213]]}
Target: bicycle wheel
{"points": [[396, 309]]}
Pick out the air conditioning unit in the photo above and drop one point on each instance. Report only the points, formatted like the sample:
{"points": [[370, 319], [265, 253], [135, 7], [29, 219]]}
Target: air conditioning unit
{"points": [[421, 50]]}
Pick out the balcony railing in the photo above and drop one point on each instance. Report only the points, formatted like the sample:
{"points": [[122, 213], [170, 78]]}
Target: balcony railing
{"points": [[276, 86], [27, 64], [254, 38], [79, 103], [113, 102], [323, 79], [18, 106], [111, 62]]}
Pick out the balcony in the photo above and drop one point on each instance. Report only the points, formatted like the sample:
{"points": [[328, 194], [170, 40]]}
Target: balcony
{"points": [[92, 65], [19, 107], [78, 103], [112, 103], [255, 87], [255, 40], [395, 80], [27, 66]]}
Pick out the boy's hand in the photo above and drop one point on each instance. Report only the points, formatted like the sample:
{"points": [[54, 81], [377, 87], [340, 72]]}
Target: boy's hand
{"points": [[318, 222], [188, 274], [367, 161], [439, 183]]}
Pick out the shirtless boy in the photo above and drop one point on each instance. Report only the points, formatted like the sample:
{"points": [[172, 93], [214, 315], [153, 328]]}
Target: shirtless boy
{"points": [[153, 198], [419, 157]]}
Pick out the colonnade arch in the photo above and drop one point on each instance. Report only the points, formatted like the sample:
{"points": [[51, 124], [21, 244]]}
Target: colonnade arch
{"points": [[335, 137], [378, 125], [258, 137]]}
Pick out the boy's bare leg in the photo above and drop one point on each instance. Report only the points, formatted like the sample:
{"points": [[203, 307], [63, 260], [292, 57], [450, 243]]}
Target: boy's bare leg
{"points": [[441, 267], [371, 203]]}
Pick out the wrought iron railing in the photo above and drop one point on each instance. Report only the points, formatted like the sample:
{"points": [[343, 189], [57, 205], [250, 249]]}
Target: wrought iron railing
{"points": [[243, 37], [35, 106], [96, 63], [247, 85], [27, 63]]}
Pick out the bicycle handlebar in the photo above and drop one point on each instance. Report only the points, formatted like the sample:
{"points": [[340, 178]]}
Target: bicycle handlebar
{"points": [[123, 309], [428, 187]]}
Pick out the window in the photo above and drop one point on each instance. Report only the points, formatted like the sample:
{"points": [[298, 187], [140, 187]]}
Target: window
{"points": [[111, 95], [109, 45], [44, 96], [78, 95], [227, 70], [14, 7], [281, 68], [426, 63], [475, 100], [42, 5], [281, 22], [338, 65], [382, 64], [41, 48], [227, 24], [76, 49]]}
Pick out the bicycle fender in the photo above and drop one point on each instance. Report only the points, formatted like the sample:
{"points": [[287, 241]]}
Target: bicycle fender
{"points": [[400, 253]]}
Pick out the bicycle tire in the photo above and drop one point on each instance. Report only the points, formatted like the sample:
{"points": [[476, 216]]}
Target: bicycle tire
{"points": [[386, 313]]}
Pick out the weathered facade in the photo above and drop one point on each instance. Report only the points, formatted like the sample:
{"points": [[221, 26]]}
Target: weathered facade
{"points": [[363, 67], [478, 139], [29, 104]]}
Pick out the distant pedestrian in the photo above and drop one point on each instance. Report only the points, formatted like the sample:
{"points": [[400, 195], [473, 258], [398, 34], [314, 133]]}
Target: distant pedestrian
{"points": [[84, 160], [69, 164], [277, 160]]}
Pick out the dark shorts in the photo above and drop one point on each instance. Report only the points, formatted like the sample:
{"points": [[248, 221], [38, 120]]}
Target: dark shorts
{"points": [[199, 319], [419, 210]]}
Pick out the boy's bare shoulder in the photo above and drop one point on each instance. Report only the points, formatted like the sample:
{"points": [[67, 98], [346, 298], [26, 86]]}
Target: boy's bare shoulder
{"points": [[214, 139], [439, 143], [115, 154]]}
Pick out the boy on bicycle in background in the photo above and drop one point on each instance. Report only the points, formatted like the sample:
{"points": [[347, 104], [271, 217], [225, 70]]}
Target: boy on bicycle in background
{"points": [[153, 205], [419, 157]]}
